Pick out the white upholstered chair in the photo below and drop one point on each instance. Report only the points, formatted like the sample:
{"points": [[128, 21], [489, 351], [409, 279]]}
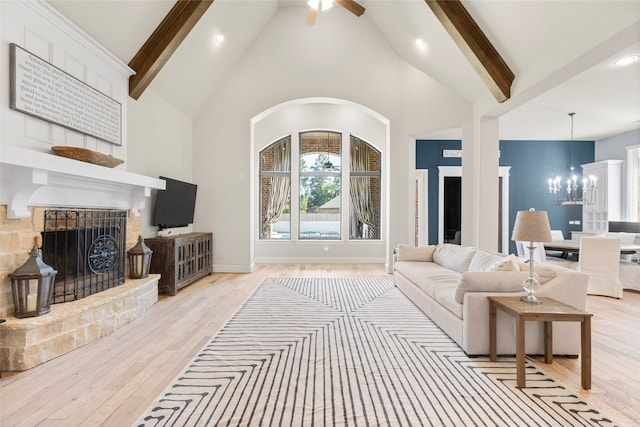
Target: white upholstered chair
{"points": [[600, 259], [523, 251], [557, 235], [520, 250], [625, 239]]}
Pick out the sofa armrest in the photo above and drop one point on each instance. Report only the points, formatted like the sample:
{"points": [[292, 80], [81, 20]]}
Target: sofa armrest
{"points": [[569, 287], [489, 281]]}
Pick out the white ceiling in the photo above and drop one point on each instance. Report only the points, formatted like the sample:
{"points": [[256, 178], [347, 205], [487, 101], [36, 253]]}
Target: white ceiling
{"points": [[561, 51]]}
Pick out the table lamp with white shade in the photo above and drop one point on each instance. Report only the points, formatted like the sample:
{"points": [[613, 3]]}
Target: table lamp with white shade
{"points": [[531, 226]]}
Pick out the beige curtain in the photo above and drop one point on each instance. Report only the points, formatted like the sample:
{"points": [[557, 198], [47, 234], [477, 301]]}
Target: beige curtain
{"points": [[361, 185], [279, 188]]}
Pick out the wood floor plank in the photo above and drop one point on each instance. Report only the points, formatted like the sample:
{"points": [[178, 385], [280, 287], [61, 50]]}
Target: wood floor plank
{"points": [[112, 381]]}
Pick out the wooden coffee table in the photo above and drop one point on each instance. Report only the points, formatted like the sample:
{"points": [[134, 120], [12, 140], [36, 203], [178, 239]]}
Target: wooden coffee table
{"points": [[548, 312]]}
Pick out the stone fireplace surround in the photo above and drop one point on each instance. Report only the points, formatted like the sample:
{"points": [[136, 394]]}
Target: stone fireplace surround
{"points": [[25, 343], [32, 182]]}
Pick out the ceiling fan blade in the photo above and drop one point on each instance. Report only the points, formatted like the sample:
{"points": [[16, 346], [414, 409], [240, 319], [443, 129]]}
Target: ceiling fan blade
{"points": [[311, 16], [351, 6]]}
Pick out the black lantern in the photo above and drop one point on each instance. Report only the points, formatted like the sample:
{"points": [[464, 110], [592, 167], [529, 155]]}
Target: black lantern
{"points": [[139, 260], [32, 286]]}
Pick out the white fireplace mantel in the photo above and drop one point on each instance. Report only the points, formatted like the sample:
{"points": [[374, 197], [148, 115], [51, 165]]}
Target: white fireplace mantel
{"points": [[35, 178]]}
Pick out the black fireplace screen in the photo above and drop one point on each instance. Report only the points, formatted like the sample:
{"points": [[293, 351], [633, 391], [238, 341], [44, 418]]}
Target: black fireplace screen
{"points": [[87, 247]]}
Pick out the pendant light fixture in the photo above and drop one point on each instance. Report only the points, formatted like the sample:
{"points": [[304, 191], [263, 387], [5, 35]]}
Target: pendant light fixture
{"points": [[573, 193], [328, 164]]}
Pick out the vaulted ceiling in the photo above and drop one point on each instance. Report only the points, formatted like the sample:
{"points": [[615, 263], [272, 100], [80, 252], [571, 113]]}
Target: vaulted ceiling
{"points": [[562, 53]]}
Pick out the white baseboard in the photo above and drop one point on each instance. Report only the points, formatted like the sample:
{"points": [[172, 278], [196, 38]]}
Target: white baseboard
{"points": [[320, 260], [234, 268], [250, 268]]}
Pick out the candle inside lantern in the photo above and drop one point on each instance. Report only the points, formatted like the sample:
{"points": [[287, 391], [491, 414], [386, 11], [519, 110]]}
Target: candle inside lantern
{"points": [[32, 300]]}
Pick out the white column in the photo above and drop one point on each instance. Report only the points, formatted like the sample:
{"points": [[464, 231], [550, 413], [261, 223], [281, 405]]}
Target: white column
{"points": [[469, 217], [480, 147]]}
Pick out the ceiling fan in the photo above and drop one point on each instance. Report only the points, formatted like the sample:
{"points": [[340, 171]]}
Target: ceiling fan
{"points": [[315, 5]]}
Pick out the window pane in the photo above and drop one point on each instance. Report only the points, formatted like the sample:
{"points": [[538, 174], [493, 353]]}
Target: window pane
{"points": [[320, 151], [319, 207], [364, 158], [365, 191], [320, 162], [275, 190], [276, 157]]}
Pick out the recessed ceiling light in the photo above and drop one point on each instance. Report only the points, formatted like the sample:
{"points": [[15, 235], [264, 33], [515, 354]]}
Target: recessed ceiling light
{"points": [[218, 39], [420, 43], [627, 60]]}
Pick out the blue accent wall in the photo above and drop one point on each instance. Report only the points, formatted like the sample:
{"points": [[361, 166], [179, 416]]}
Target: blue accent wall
{"points": [[532, 163]]}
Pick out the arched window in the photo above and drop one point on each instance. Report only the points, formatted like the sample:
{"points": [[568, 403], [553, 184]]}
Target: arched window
{"points": [[275, 190], [323, 187]]}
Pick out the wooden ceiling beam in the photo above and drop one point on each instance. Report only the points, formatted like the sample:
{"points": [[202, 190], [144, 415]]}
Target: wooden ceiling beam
{"points": [[475, 45], [353, 7], [163, 42]]}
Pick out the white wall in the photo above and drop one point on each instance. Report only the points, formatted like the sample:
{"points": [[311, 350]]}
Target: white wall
{"points": [[613, 148], [156, 137], [288, 63], [42, 31], [160, 144]]}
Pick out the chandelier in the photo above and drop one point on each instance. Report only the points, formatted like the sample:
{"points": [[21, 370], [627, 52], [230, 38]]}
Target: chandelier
{"points": [[328, 164], [577, 191]]}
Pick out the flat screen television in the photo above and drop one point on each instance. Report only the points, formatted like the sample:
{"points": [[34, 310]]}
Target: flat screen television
{"points": [[175, 204]]}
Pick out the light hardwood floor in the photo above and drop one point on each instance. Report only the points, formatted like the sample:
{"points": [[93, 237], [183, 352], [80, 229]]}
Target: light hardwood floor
{"points": [[112, 381]]}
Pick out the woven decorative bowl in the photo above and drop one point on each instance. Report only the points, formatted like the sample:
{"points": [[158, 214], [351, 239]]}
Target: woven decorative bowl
{"points": [[86, 155]]}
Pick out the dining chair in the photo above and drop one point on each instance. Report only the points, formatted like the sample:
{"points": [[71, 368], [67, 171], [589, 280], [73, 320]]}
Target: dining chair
{"points": [[556, 235], [600, 259], [625, 239], [522, 249]]}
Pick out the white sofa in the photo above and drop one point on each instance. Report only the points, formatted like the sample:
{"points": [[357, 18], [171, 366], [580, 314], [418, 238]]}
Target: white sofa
{"points": [[450, 283]]}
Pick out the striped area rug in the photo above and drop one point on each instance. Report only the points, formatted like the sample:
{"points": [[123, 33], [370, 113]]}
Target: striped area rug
{"points": [[352, 352]]}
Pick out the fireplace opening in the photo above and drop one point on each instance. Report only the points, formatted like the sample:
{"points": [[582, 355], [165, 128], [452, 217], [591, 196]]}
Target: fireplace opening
{"points": [[87, 247]]}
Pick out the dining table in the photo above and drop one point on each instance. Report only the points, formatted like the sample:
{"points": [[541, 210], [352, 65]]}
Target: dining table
{"points": [[573, 246]]}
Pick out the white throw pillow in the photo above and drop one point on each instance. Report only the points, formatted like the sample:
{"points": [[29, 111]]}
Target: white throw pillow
{"points": [[413, 253], [482, 260], [454, 257], [508, 263]]}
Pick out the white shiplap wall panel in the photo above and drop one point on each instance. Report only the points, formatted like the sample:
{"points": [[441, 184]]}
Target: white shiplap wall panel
{"points": [[41, 30]]}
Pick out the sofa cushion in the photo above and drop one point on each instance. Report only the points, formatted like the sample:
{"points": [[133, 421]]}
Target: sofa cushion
{"points": [[454, 257], [489, 281], [482, 260], [413, 253], [428, 276], [508, 263]]}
